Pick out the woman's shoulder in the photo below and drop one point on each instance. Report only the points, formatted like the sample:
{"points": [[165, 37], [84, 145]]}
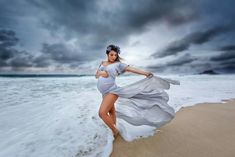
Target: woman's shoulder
{"points": [[102, 62]]}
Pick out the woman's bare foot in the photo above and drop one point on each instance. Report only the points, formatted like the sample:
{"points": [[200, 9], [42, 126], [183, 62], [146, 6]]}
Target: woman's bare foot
{"points": [[116, 132]]}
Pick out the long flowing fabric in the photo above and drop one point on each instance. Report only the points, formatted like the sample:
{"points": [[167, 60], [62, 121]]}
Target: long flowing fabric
{"points": [[142, 107]]}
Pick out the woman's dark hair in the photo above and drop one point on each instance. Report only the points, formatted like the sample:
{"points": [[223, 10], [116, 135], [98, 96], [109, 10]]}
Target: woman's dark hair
{"points": [[116, 49]]}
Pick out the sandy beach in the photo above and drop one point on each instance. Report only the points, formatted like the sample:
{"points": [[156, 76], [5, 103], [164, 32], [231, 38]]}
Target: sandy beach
{"points": [[203, 130]]}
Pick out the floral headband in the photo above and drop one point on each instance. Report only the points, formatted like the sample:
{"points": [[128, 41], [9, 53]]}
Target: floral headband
{"points": [[109, 48]]}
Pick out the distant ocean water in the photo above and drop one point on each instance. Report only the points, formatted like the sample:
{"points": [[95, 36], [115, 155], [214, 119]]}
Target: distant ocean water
{"points": [[57, 116]]}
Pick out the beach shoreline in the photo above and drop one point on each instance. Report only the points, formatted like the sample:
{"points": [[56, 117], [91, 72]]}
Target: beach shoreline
{"points": [[204, 129]]}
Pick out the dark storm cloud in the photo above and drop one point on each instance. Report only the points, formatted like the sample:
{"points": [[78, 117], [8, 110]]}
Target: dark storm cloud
{"points": [[225, 61], [108, 21], [225, 66], [221, 63], [228, 55], [187, 58], [229, 62], [62, 53], [227, 48], [196, 38], [180, 61], [7, 40], [189, 64], [18, 59], [9, 56], [50, 53], [179, 64], [23, 60]]}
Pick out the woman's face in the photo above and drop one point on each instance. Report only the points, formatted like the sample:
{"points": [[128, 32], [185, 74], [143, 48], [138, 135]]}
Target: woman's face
{"points": [[112, 56]]}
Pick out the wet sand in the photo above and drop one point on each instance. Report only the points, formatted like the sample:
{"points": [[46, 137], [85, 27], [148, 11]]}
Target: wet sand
{"points": [[203, 130]]}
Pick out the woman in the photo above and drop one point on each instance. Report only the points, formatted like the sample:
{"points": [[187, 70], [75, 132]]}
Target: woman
{"points": [[140, 94]]}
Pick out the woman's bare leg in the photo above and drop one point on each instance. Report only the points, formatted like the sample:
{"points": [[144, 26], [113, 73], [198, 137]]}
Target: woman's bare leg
{"points": [[112, 114], [105, 107]]}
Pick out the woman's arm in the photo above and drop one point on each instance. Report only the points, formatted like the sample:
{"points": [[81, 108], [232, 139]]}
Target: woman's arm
{"points": [[138, 71]]}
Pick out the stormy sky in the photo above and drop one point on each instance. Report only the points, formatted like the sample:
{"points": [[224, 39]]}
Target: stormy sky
{"points": [[70, 36]]}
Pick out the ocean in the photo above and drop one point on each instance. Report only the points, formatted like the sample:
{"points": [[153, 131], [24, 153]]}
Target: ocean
{"points": [[58, 116]]}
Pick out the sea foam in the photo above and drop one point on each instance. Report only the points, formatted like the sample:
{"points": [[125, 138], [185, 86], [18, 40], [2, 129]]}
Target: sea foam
{"points": [[59, 116]]}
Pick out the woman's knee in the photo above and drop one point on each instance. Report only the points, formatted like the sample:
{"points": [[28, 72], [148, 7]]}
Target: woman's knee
{"points": [[107, 104], [102, 113]]}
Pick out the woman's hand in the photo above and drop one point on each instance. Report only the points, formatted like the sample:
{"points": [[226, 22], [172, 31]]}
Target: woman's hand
{"points": [[101, 73], [148, 74]]}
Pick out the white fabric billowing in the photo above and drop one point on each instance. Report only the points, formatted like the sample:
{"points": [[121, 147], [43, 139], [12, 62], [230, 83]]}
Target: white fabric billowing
{"points": [[142, 107]]}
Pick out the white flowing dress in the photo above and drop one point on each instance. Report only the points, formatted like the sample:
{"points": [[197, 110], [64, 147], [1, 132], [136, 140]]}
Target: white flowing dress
{"points": [[141, 106]]}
